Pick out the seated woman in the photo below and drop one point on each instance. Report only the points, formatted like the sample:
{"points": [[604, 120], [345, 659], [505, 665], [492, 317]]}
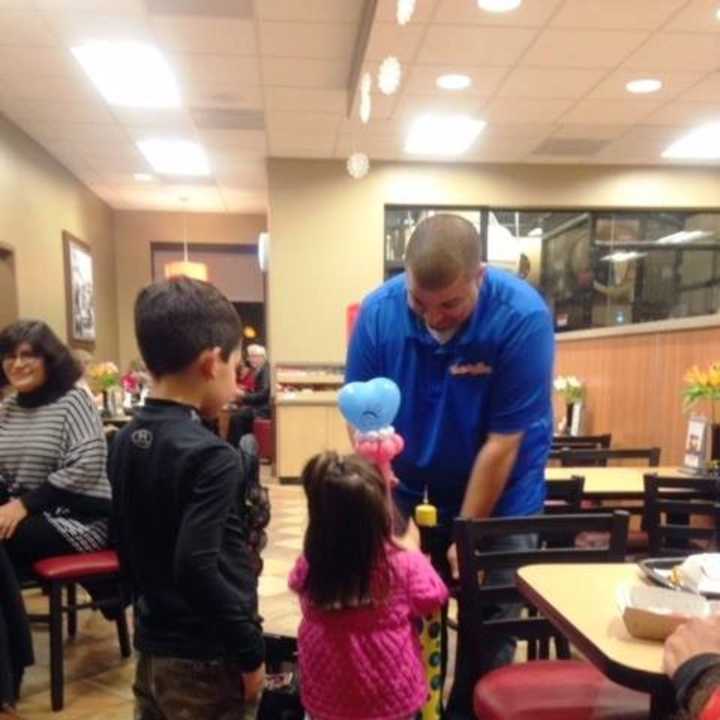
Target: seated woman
{"points": [[54, 491], [255, 402]]}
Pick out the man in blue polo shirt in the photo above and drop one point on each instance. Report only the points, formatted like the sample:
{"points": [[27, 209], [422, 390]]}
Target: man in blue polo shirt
{"points": [[471, 349]]}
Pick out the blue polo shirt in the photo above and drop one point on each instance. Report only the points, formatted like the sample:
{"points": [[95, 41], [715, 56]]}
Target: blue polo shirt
{"points": [[493, 376]]}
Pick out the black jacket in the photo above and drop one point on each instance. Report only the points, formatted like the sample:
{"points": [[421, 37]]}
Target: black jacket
{"points": [[182, 531], [259, 398]]}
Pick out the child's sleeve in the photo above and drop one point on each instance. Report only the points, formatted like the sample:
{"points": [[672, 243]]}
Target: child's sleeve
{"points": [[426, 591], [297, 576]]}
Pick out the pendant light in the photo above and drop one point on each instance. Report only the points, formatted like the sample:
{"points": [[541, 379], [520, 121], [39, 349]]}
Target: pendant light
{"points": [[195, 270]]}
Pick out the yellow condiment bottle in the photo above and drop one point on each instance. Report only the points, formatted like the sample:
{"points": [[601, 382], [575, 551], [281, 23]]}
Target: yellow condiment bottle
{"points": [[431, 636]]}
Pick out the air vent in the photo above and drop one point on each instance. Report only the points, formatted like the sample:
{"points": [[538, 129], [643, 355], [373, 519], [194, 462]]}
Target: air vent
{"points": [[570, 146], [221, 119], [203, 8]]}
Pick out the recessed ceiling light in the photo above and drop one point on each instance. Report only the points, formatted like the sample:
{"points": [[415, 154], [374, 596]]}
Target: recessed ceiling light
{"points": [[453, 81], [389, 75], [175, 157], [129, 74], [644, 85], [442, 134], [717, 14], [499, 6], [702, 143], [684, 236], [143, 177]]}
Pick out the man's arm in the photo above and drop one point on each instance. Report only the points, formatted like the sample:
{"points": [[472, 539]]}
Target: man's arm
{"points": [[490, 474]]}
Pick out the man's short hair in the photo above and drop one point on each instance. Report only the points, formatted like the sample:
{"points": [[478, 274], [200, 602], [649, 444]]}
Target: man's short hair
{"points": [[176, 319], [442, 248]]}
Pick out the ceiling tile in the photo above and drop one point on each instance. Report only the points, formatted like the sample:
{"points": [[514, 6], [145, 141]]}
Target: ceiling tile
{"points": [[206, 35], [294, 99], [685, 114], [223, 94], [613, 87], [641, 143], [422, 79], [207, 75], [304, 73], [616, 14], [582, 48], [319, 41], [391, 39], [48, 87], [26, 61], [83, 134], [474, 46], [25, 29], [171, 121], [239, 201], [202, 8], [99, 7], [310, 10], [696, 16], [251, 142], [519, 111], [302, 122], [558, 83], [291, 143], [611, 112], [588, 131], [387, 11], [49, 110], [529, 14], [698, 52], [707, 90], [77, 28]]}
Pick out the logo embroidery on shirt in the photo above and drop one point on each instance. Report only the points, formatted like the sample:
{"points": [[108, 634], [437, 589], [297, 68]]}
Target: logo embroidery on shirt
{"points": [[479, 368], [142, 439]]}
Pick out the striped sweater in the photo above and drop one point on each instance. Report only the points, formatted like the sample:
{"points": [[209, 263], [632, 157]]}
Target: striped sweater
{"points": [[53, 457]]}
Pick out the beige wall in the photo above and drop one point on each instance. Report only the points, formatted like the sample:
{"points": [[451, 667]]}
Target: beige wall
{"points": [[136, 230], [38, 200], [326, 229]]}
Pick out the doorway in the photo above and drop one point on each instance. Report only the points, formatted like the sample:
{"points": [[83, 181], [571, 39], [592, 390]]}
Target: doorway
{"points": [[8, 287]]}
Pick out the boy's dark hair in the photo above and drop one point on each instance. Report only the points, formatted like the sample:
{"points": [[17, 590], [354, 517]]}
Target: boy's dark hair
{"points": [[348, 527], [176, 319], [61, 368]]}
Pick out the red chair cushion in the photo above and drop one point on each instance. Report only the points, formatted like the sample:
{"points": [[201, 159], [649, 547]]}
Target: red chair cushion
{"points": [[80, 565], [262, 430], [555, 690]]}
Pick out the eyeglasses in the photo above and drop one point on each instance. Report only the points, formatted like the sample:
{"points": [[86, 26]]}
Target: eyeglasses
{"points": [[24, 358]]}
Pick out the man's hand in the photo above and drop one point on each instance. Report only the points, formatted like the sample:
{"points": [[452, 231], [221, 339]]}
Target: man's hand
{"points": [[11, 514], [694, 637], [253, 683], [453, 562]]}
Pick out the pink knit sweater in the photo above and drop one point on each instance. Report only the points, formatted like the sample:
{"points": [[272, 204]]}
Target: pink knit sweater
{"points": [[366, 662]]}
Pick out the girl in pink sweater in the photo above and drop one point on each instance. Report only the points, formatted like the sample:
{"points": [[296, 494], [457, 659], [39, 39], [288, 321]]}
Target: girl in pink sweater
{"points": [[360, 591]]}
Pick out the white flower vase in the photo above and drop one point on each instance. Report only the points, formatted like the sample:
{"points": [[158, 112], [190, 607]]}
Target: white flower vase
{"points": [[576, 418]]}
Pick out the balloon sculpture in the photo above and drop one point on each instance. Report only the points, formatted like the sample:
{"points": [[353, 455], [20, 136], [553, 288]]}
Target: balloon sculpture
{"points": [[370, 407]]}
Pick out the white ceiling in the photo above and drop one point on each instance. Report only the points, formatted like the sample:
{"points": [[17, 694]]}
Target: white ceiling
{"points": [[549, 78]]}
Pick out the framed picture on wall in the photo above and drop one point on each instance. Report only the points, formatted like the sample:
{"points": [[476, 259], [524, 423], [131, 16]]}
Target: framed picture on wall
{"points": [[79, 292], [696, 444]]}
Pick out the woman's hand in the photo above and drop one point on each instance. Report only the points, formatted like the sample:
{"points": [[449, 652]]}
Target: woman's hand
{"points": [[11, 514]]}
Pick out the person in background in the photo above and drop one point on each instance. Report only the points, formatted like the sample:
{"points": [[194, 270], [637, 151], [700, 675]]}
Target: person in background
{"points": [[179, 499], [84, 359], [471, 349], [360, 592], [54, 491], [245, 379], [692, 660], [253, 403]]}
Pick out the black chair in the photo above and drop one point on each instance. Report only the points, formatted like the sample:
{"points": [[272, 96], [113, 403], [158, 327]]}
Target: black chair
{"points": [[671, 505], [503, 688], [582, 442], [564, 497], [581, 457]]}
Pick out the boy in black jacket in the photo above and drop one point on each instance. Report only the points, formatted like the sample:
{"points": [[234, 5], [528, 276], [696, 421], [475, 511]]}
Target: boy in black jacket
{"points": [[180, 519]]}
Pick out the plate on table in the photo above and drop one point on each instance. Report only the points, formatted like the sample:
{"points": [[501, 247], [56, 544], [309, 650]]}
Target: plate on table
{"points": [[695, 573]]}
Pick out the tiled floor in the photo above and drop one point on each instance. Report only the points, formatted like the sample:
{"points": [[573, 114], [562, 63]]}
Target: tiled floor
{"points": [[98, 681]]}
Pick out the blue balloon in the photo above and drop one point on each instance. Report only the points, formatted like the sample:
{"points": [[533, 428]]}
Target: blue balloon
{"points": [[370, 405]]}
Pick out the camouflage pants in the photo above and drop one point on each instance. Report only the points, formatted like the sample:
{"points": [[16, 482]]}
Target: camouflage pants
{"points": [[176, 689]]}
